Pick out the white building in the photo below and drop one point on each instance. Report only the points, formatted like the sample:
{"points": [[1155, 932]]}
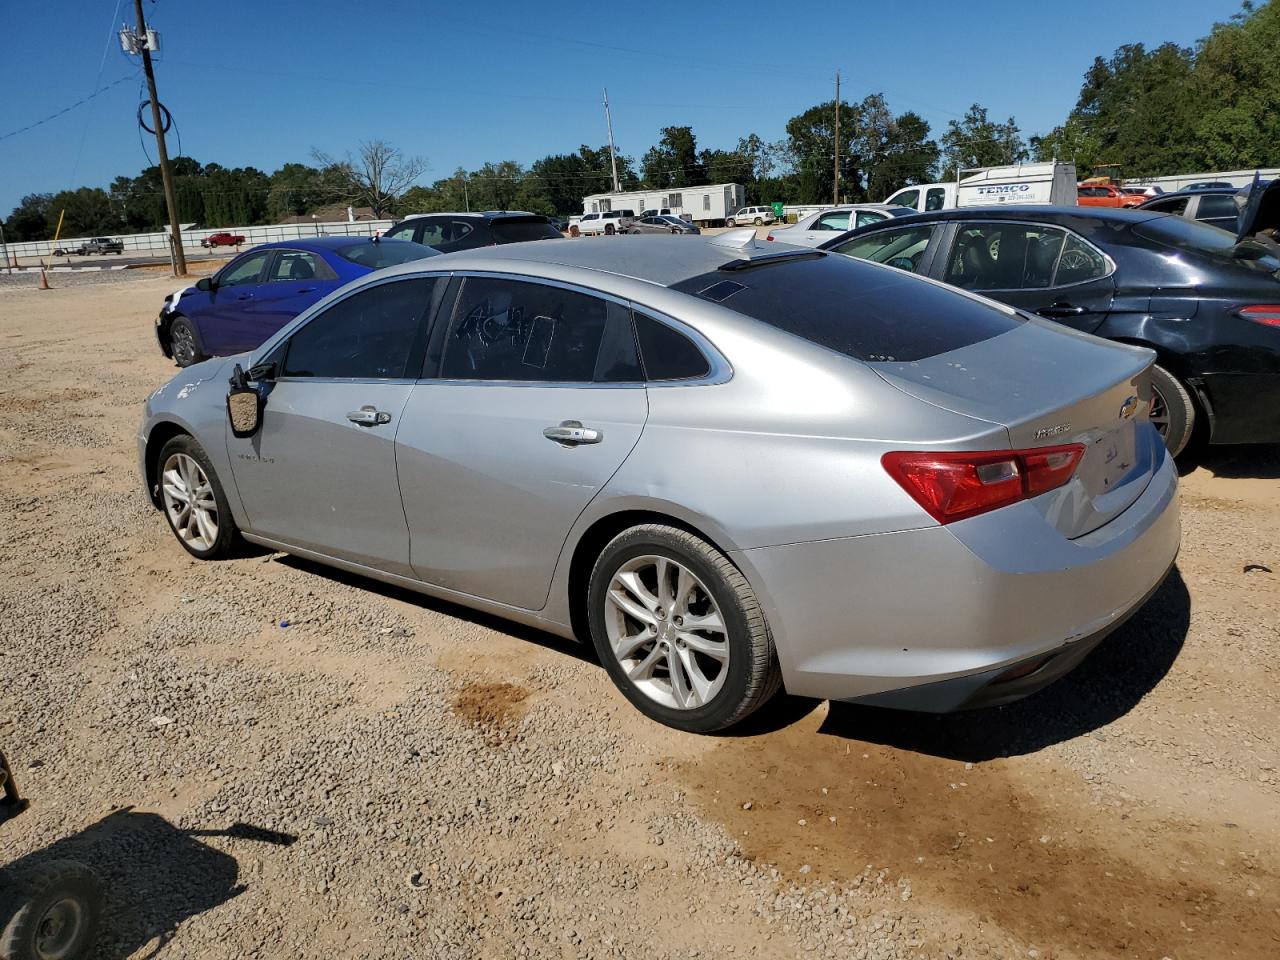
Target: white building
{"points": [[703, 205]]}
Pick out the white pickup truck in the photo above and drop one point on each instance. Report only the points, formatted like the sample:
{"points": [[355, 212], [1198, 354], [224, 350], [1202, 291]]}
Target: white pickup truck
{"points": [[609, 222]]}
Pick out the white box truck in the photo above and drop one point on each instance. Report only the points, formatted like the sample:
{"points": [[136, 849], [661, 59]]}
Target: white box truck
{"points": [[1023, 183]]}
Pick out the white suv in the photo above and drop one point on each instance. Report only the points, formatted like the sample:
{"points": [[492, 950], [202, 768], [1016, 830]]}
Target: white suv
{"points": [[756, 215], [609, 222]]}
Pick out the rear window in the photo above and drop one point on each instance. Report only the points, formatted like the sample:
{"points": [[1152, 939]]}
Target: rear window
{"points": [[857, 309], [518, 231], [385, 253], [1207, 240]]}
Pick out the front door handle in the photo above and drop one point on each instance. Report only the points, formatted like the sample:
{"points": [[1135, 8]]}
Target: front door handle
{"points": [[1061, 309], [305, 290], [571, 433], [369, 417]]}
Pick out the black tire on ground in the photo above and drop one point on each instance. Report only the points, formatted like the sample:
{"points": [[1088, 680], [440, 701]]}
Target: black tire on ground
{"points": [[1173, 410], [608, 229], [228, 542], [50, 910], [753, 672], [183, 343], [731, 222], [759, 221]]}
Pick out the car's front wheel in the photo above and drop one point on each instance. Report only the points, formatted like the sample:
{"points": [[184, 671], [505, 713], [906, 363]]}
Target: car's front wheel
{"points": [[680, 630], [183, 344], [1172, 410], [194, 502], [731, 222]]}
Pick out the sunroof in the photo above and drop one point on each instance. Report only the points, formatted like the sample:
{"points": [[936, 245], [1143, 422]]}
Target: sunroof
{"points": [[722, 291]]}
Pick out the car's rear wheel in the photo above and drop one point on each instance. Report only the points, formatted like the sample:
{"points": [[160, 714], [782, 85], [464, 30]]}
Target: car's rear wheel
{"points": [[680, 630], [193, 500], [758, 221], [50, 912], [1172, 410], [608, 229], [183, 344]]}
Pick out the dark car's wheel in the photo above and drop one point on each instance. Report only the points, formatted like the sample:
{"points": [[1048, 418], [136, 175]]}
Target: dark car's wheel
{"points": [[49, 912], [680, 630], [193, 500], [1172, 410], [183, 344]]}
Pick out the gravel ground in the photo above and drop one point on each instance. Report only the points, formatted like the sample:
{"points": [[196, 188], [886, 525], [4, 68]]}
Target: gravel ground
{"points": [[390, 776]]}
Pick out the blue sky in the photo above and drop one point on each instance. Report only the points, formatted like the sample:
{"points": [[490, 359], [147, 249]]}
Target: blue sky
{"points": [[262, 82]]}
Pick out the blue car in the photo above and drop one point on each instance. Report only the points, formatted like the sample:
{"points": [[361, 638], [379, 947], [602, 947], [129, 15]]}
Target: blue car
{"points": [[261, 290]]}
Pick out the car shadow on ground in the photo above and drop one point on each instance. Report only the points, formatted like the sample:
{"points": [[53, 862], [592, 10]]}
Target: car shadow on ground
{"points": [[572, 648], [154, 875], [1110, 682], [1259, 461]]}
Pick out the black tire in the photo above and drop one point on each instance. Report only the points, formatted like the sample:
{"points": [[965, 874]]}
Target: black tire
{"points": [[183, 343], [53, 909], [758, 221], [1173, 410], [228, 542], [753, 673], [608, 229], [731, 222]]}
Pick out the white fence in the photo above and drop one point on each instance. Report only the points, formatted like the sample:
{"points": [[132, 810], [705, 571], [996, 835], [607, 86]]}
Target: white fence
{"points": [[158, 243]]}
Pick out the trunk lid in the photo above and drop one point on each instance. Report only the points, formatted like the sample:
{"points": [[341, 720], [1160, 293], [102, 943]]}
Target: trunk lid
{"points": [[1049, 386], [1259, 208]]}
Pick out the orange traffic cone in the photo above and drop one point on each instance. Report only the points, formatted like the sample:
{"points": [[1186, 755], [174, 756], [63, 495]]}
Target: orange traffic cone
{"points": [[44, 281]]}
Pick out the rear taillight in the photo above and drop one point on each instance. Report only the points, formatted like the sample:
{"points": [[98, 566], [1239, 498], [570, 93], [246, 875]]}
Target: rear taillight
{"points": [[953, 486], [1264, 313]]}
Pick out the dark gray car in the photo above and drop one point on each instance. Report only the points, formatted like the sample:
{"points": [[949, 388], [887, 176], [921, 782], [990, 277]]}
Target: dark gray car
{"points": [[662, 223]]}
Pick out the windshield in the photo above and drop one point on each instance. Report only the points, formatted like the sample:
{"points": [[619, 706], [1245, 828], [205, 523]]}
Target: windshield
{"points": [[860, 310], [385, 253], [517, 231]]}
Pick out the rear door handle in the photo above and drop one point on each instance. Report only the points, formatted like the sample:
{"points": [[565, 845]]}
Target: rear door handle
{"points": [[305, 290], [1061, 309], [369, 417], [571, 433], [245, 296]]}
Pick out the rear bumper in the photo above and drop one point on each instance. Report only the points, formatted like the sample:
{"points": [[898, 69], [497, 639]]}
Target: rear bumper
{"points": [[932, 616], [1246, 406]]}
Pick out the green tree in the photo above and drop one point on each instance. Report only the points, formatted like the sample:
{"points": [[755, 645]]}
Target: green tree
{"points": [[673, 161], [978, 141], [86, 211], [810, 147], [30, 218]]}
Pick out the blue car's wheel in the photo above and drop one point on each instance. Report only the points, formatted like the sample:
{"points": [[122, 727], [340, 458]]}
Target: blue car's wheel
{"points": [[183, 344]]}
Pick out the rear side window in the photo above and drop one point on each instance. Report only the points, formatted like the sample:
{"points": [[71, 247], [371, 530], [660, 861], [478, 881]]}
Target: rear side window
{"points": [[1216, 208], [857, 309], [385, 253], [518, 231], [668, 354], [367, 336], [516, 331]]}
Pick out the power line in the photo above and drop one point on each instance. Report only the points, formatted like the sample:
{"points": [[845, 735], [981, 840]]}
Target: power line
{"points": [[67, 109]]}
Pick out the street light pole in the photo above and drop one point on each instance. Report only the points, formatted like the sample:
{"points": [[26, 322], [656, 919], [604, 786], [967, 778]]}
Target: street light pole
{"points": [[166, 174]]}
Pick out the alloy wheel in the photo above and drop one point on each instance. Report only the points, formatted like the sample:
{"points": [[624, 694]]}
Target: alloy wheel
{"points": [[183, 345], [667, 632], [189, 501], [1159, 413]]}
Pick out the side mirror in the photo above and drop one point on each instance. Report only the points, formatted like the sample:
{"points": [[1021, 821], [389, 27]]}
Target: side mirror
{"points": [[244, 405], [205, 284]]}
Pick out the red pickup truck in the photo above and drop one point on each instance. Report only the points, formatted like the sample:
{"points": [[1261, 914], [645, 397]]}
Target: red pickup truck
{"points": [[222, 240]]}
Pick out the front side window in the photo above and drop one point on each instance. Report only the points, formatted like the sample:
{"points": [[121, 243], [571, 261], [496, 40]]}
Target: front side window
{"points": [[908, 198], [402, 230], [367, 336], [838, 222], [1004, 256], [902, 247], [519, 331], [1216, 208], [1176, 206], [868, 217], [935, 199], [245, 271]]}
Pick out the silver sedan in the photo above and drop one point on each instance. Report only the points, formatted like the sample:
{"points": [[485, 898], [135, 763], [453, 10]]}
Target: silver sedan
{"points": [[732, 466], [662, 223]]}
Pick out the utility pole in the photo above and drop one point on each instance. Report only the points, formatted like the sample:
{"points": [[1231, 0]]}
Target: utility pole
{"points": [[166, 174], [4, 250], [613, 157], [835, 193]]}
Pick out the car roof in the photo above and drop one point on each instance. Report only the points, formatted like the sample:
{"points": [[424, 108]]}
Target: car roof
{"points": [[1031, 212], [476, 214], [662, 260], [1198, 191], [321, 243]]}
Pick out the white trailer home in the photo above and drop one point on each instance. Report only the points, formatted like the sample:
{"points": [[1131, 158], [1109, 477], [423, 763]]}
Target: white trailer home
{"points": [[1237, 178], [704, 205]]}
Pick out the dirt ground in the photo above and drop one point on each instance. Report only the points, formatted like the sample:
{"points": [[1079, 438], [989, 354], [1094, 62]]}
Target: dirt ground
{"points": [[391, 776]]}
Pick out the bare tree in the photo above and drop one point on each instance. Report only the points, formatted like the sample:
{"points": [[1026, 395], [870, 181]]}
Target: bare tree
{"points": [[375, 176]]}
